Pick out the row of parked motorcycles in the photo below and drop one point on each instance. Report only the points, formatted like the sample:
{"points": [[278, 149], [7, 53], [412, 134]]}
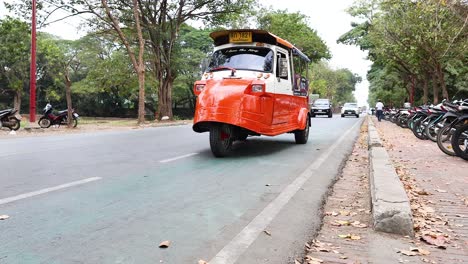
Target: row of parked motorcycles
{"points": [[10, 118], [445, 123]]}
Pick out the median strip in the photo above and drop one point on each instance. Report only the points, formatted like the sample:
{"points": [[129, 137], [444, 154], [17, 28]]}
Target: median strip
{"points": [[390, 205], [47, 190]]}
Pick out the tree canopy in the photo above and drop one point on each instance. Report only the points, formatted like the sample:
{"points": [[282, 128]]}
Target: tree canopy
{"points": [[414, 44]]}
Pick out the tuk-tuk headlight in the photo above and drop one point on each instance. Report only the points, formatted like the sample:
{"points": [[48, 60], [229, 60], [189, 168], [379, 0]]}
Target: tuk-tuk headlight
{"points": [[257, 88]]}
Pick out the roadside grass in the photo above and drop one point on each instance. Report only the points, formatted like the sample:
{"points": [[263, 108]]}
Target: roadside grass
{"points": [[107, 121]]}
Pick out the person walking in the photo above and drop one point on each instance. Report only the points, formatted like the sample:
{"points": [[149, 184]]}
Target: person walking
{"points": [[379, 107]]}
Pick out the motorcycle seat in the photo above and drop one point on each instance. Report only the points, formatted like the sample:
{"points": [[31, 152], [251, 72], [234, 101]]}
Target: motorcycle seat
{"points": [[61, 112], [5, 111]]}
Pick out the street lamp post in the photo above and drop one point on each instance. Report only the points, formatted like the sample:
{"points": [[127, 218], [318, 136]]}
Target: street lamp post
{"points": [[32, 81]]}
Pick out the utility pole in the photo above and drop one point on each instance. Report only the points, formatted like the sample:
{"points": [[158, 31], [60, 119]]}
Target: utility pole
{"points": [[32, 81]]}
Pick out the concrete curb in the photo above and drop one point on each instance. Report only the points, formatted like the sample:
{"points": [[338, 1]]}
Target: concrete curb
{"points": [[391, 209]]}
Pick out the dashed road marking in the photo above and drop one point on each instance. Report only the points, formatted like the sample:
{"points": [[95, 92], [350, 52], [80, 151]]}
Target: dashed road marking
{"points": [[178, 158], [47, 190]]}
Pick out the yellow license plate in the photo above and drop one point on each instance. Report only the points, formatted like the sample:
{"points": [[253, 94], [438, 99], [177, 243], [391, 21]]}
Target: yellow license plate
{"points": [[236, 37]]}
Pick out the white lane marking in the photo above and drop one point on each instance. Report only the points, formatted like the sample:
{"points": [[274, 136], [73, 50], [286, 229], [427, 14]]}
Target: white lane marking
{"points": [[46, 190], [178, 158], [239, 244]]}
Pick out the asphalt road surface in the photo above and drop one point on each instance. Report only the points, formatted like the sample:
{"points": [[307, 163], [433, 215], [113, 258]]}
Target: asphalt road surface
{"points": [[112, 197]]}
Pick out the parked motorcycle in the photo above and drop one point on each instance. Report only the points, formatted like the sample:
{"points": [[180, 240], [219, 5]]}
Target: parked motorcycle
{"points": [[9, 118], [60, 118]]}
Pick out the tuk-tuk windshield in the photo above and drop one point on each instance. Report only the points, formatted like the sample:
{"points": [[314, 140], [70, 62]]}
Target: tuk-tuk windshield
{"points": [[243, 58]]}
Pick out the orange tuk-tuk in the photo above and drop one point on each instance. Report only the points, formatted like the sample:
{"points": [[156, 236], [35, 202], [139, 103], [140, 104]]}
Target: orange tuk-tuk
{"points": [[254, 85]]}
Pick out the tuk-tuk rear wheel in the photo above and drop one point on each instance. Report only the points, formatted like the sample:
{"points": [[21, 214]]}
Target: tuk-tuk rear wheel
{"points": [[221, 138]]}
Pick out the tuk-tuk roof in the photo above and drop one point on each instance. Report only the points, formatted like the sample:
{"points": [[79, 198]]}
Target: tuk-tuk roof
{"points": [[222, 37]]}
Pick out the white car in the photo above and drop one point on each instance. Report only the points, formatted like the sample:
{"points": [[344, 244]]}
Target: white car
{"points": [[350, 109]]}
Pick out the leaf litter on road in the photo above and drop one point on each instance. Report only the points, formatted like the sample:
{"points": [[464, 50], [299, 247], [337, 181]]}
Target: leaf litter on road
{"points": [[165, 244], [4, 217]]}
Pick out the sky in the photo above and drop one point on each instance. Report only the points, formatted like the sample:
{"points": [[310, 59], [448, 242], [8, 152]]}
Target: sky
{"points": [[327, 17]]}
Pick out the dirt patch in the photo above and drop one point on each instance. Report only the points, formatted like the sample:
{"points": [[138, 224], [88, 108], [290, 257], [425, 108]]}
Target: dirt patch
{"points": [[87, 125]]}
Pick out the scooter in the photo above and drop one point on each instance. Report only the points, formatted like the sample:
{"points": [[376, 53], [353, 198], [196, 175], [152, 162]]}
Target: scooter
{"points": [[61, 118], [9, 118]]}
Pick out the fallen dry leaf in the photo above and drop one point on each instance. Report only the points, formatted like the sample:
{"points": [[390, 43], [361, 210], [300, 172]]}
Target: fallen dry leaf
{"points": [[296, 261], [344, 213], [440, 190], [321, 249], [343, 257], [355, 237], [421, 251], [4, 217], [312, 260], [165, 244], [358, 224], [436, 240], [267, 232], [422, 192], [407, 253], [201, 261]]}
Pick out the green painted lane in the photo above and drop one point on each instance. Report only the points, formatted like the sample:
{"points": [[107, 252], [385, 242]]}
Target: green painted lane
{"points": [[196, 203]]}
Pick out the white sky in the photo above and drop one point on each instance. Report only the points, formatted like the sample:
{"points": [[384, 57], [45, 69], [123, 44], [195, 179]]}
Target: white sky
{"points": [[328, 17]]}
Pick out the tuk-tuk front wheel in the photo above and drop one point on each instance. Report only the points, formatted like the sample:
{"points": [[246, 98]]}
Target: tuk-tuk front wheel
{"points": [[221, 138], [302, 136]]}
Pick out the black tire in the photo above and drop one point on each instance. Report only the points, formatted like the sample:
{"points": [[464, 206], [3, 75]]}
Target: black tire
{"points": [[75, 122], [44, 122], [410, 123], [301, 136], [312, 115], [430, 132], [221, 138], [418, 131], [460, 138], [444, 136], [342, 115], [17, 123], [357, 116], [242, 136], [330, 115]]}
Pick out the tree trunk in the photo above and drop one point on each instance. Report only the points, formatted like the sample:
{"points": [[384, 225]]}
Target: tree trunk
{"points": [[425, 90], [141, 94], [435, 89], [138, 65], [69, 99], [17, 101], [165, 98], [440, 74]]}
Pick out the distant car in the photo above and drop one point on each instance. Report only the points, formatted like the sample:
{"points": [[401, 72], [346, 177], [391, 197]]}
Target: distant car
{"points": [[321, 107], [350, 109]]}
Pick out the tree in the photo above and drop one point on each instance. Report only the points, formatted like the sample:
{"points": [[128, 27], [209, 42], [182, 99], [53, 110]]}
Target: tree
{"points": [[337, 85], [417, 40], [14, 58], [294, 28]]}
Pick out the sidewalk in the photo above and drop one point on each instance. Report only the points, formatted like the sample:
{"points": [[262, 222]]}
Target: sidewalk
{"points": [[436, 185]]}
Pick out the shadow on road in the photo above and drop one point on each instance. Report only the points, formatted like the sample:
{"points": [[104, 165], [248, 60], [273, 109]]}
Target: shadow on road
{"points": [[255, 147]]}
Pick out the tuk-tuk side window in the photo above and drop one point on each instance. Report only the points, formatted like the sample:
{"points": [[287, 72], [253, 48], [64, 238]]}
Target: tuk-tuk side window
{"points": [[282, 66]]}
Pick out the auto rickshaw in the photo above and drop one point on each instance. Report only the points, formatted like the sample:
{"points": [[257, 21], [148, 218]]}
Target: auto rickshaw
{"points": [[254, 85]]}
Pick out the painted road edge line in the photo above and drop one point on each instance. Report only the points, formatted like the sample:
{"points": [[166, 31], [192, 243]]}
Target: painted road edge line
{"points": [[239, 244], [178, 157], [47, 190]]}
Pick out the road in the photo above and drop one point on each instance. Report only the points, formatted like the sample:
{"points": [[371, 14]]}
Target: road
{"points": [[112, 197]]}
